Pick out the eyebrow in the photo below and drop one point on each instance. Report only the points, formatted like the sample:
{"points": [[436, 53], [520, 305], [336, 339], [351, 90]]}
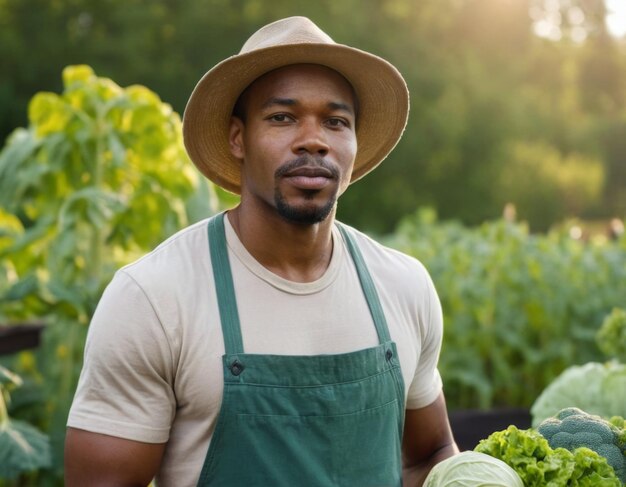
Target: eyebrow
{"points": [[341, 106], [288, 102]]}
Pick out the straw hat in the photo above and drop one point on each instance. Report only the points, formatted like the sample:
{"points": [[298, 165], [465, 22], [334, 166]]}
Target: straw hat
{"points": [[381, 91]]}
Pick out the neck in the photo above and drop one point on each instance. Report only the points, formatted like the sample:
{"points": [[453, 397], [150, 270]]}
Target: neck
{"points": [[300, 253]]}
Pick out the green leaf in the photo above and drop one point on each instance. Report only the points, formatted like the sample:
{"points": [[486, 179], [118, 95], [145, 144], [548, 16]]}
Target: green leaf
{"points": [[48, 113], [89, 204], [78, 73], [23, 448], [21, 289], [202, 203], [21, 146], [141, 94], [118, 151], [611, 337], [62, 293], [33, 234], [8, 377]]}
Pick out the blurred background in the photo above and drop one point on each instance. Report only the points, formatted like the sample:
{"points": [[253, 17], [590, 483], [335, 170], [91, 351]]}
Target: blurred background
{"points": [[517, 101], [509, 183]]}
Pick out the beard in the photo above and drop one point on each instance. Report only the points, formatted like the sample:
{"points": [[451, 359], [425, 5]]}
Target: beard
{"points": [[304, 214]]}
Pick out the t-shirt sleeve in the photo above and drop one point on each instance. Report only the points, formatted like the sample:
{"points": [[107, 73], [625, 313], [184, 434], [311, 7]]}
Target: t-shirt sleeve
{"points": [[427, 384], [125, 387]]}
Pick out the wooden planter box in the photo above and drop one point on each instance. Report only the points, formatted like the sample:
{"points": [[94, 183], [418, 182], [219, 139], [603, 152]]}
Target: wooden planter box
{"points": [[471, 426], [20, 336]]}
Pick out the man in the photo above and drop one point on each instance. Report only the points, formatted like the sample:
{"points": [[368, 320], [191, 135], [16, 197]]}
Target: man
{"points": [[270, 345]]}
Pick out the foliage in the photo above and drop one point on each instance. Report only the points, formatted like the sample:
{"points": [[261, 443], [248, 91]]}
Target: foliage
{"points": [[22, 447], [98, 177], [17, 301], [611, 337], [479, 88], [470, 468], [544, 184], [598, 388], [517, 306], [538, 465], [620, 423]]}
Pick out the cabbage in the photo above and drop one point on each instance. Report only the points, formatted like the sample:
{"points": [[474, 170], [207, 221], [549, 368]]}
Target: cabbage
{"points": [[472, 469], [596, 388]]}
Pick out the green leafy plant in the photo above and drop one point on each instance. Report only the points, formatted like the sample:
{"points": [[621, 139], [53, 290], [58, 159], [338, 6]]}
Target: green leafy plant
{"points": [[99, 177], [538, 465], [572, 428], [23, 448], [611, 337], [473, 469], [597, 388], [517, 306]]}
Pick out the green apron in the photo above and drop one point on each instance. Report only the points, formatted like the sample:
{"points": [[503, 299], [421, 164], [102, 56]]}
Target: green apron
{"points": [[324, 420]]}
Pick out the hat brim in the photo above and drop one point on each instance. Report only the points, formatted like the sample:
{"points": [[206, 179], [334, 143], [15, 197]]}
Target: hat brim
{"points": [[380, 89]]}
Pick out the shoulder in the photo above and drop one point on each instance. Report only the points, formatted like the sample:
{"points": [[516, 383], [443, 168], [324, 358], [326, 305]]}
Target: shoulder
{"points": [[179, 254], [387, 263], [167, 279], [403, 283]]}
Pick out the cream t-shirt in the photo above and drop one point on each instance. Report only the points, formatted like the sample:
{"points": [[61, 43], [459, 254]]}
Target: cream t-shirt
{"points": [[153, 372]]}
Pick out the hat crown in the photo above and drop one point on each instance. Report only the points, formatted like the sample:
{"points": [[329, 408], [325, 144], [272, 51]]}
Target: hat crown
{"points": [[292, 30], [381, 91]]}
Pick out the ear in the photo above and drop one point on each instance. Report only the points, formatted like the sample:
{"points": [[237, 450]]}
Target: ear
{"points": [[235, 137]]}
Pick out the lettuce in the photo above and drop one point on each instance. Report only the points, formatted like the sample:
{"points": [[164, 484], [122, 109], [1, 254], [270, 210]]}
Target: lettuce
{"points": [[472, 469], [538, 465], [596, 388]]}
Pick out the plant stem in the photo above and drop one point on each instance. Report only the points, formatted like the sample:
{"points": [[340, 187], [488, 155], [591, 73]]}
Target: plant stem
{"points": [[96, 236], [4, 413]]}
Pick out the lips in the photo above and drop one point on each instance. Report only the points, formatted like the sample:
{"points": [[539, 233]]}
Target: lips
{"points": [[309, 172], [309, 178]]}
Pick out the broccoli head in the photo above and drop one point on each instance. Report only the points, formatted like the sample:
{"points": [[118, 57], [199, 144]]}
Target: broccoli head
{"points": [[573, 428]]}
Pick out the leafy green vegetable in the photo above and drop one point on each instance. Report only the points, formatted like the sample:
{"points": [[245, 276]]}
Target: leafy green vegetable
{"points": [[538, 465], [597, 388], [620, 423], [472, 469], [611, 337], [572, 428]]}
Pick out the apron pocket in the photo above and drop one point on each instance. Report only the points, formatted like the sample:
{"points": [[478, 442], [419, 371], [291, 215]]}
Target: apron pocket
{"points": [[357, 449]]}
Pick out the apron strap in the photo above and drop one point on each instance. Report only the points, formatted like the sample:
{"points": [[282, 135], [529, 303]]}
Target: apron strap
{"points": [[367, 284], [227, 303]]}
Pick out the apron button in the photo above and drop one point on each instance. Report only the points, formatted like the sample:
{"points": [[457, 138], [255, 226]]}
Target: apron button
{"points": [[389, 354], [236, 368]]}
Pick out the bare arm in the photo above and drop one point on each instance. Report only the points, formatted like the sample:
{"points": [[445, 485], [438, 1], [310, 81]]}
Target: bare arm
{"points": [[427, 440], [93, 460]]}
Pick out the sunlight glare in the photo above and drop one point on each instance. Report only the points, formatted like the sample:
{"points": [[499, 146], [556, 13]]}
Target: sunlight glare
{"points": [[616, 17]]}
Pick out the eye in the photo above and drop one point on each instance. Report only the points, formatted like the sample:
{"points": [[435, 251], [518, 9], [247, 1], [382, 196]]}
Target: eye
{"points": [[337, 122], [280, 117]]}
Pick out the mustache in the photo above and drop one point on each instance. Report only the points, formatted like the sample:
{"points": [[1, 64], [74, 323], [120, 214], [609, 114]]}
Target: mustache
{"points": [[306, 160]]}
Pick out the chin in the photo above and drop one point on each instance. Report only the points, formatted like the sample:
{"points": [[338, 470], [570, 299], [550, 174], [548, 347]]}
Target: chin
{"points": [[305, 214]]}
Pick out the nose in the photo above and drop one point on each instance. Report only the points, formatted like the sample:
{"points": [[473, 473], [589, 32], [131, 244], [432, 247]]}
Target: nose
{"points": [[311, 139]]}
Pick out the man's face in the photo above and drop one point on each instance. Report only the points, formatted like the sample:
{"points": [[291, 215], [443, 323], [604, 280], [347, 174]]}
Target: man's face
{"points": [[298, 142]]}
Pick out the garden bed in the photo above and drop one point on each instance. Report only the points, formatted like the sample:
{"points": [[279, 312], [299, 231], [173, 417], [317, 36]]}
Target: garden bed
{"points": [[471, 426], [22, 336]]}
